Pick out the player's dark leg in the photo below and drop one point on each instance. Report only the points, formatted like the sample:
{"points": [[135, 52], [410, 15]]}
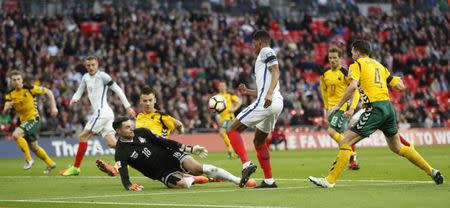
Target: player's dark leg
{"points": [[179, 180], [234, 134], [414, 157], [262, 152]]}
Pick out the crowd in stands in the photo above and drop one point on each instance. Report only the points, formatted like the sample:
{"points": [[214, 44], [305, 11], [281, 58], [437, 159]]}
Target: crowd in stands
{"points": [[183, 54]]}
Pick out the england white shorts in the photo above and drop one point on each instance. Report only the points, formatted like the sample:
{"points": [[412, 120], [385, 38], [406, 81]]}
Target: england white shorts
{"points": [[100, 123], [263, 118]]}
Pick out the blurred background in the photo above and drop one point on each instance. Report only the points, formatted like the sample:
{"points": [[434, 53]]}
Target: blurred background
{"points": [[184, 48]]}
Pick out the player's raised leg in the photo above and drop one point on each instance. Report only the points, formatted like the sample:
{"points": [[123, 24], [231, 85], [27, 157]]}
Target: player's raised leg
{"points": [[18, 136], [414, 157]]}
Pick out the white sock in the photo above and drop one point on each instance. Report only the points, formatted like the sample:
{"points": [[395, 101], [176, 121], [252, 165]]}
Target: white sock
{"points": [[246, 164], [189, 181], [215, 172], [269, 181]]}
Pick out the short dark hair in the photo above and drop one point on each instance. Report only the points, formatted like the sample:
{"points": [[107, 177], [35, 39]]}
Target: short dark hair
{"points": [[117, 123], [147, 90], [262, 35], [334, 49], [362, 46]]}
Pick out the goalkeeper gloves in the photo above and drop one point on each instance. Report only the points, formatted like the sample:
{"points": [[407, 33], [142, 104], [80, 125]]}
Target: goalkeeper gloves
{"points": [[196, 150], [136, 187]]}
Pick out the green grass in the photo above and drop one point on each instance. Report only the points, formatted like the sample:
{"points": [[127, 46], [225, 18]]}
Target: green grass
{"points": [[385, 180]]}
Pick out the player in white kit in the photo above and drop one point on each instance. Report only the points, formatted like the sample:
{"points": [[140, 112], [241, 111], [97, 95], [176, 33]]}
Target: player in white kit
{"points": [[262, 113], [97, 83]]}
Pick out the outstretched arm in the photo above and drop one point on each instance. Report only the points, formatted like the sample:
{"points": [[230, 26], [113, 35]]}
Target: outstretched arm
{"points": [[246, 91], [114, 87], [8, 104], [51, 97], [396, 82], [179, 126], [79, 92]]}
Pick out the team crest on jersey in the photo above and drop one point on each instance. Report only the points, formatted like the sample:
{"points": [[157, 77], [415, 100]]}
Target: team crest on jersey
{"points": [[142, 140], [134, 155]]}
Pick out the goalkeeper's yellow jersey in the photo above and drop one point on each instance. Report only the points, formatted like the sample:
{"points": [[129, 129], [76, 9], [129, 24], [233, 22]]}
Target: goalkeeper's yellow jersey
{"points": [[373, 79], [333, 84], [230, 99]]}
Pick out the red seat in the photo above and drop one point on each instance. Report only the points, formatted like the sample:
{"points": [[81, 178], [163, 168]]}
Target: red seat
{"points": [[411, 83], [420, 51]]}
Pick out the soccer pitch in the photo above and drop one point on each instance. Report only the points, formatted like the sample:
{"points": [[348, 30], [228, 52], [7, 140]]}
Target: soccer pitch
{"points": [[385, 180]]}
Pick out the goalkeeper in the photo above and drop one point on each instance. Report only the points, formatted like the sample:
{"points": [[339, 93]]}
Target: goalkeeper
{"points": [[161, 159]]}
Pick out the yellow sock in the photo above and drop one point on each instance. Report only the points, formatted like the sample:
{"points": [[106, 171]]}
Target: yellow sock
{"points": [[227, 142], [41, 153], [24, 147], [412, 155], [345, 151], [337, 137]]}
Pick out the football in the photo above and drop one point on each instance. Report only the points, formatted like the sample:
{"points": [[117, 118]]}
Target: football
{"points": [[217, 104]]}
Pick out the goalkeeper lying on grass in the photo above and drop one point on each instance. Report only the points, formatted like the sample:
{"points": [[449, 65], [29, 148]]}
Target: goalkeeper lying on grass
{"points": [[160, 159]]}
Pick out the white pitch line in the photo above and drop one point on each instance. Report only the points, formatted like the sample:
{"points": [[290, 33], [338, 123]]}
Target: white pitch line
{"points": [[220, 191], [142, 177], [180, 205], [138, 204]]}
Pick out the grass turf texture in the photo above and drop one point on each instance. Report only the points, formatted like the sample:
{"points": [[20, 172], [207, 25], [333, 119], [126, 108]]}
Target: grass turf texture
{"points": [[385, 180]]}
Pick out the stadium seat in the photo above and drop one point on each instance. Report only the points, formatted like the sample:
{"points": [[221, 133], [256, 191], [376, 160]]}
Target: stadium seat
{"points": [[420, 51], [411, 83]]}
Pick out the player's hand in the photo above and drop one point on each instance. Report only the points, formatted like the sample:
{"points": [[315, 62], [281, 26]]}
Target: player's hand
{"points": [[268, 101], [131, 112], [8, 106], [202, 152], [54, 112], [332, 110], [243, 89], [349, 113], [136, 187], [73, 101]]}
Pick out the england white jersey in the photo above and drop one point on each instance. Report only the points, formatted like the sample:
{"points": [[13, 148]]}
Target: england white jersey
{"points": [[266, 58], [97, 88]]}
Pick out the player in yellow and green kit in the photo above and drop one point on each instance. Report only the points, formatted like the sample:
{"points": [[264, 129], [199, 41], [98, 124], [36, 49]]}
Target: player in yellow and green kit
{"points": [[159, 123], [333, 83], [23, 99], [379, 114], [226, 117], [150, 118]]}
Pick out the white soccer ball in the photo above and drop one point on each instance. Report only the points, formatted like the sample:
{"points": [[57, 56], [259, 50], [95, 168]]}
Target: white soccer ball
{"points": [[217, 104]]}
